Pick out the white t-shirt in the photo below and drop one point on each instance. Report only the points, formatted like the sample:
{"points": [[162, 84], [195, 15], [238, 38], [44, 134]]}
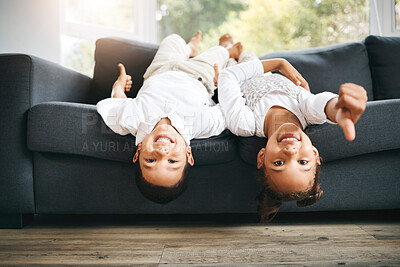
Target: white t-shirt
{"points": [[171, 94], [241, 120]]}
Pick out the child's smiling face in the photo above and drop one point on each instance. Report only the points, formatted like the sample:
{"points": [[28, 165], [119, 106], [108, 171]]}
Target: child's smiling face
{"points": [[290, 160], [163, 154]]}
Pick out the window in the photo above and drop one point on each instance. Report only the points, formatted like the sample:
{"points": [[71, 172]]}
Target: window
{"points": [[85, 21], [397, 11], [264, 26], [385, 17]]}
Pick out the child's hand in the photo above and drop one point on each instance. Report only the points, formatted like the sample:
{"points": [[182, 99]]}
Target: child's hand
{"points": [[351, 105], [122, 84], [128, 78], [292, 74], [124, 81], [216, 74]]}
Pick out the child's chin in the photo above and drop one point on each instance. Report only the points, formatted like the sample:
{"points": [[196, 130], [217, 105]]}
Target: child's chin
{"points": [[289, 127]]}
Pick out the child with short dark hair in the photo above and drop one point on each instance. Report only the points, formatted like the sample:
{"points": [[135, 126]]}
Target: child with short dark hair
{"points": [[173, 106]]}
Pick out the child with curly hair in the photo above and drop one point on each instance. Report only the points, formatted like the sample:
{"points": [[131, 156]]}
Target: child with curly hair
{"points": [[279, 109]]}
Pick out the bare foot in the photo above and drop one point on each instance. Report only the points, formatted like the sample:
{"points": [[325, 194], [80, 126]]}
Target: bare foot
{"points": [[124, 81], [235, 50], [194, 44], [226, 40]]}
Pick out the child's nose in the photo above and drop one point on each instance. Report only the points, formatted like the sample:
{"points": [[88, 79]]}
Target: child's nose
{"points": [[290, 150], [163, 149]]}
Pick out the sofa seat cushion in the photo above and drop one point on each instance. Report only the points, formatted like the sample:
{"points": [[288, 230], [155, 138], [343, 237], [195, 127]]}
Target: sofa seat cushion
{"points": [[326, 68], [72, 128], [384, 60], [377, 130]]}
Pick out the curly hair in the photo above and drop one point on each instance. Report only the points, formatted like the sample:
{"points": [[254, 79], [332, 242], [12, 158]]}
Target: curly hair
{"points": [[161, 194], [269, 201]]}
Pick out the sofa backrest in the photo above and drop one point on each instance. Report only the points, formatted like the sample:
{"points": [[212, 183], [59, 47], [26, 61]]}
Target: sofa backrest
{"points": [[136, 56], [384, 61], [326, 68]]}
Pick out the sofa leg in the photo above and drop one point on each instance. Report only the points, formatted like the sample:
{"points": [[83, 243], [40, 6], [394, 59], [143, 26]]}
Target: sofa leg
{"points": [[15, 220]]}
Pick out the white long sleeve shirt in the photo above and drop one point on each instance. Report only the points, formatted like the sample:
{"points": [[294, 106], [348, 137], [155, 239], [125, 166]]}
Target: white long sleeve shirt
{"points": [[243, 121], [171, 94]]}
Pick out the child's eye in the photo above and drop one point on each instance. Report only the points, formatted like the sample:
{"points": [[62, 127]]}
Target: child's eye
{"points": [[279, 163], [172, 161], [303, 162], [150, 160]]}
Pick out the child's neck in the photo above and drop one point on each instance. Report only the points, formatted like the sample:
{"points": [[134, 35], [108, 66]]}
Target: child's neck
{"points": [[275, 117]]}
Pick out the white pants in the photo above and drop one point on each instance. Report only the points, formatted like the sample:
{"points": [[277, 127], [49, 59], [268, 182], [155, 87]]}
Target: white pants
{"points": [[173, 55]]}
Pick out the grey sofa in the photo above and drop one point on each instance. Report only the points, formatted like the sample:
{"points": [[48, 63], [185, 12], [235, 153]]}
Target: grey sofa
{"points": [[58, 157]]}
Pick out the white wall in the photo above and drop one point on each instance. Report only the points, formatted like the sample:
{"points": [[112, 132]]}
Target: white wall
{"points": [[31, 27]]}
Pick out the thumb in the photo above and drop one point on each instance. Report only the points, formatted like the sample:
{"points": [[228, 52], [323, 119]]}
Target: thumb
{"points": [[121, 69], [216, 68], [349, 129], [346, 123]]}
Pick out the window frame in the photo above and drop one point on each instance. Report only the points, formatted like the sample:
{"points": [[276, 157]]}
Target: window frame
{"points": [[144, 24], [383, 18]]}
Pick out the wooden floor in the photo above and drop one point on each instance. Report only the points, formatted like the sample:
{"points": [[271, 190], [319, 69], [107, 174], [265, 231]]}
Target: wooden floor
{"points": [[316, 240]]}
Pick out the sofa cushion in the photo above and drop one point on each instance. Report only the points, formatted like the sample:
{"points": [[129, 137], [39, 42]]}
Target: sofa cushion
{"points": [[326, 68], [136, 57], [377, 130], [72, 128], [384, 60]]}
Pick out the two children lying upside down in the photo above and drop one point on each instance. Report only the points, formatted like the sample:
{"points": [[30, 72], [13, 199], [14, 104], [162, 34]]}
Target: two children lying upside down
{"points": [[179, 84]]}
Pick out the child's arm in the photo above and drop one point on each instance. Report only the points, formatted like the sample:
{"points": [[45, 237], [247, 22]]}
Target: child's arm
{"points": [[286, 69], [246, 56], [347, 108], [239, 117], [212, 122], [275, 64], [119, 112]]}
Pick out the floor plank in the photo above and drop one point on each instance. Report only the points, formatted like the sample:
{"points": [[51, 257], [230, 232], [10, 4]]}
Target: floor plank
{"points": [[287, 244], [131, 243], [386, 231]]}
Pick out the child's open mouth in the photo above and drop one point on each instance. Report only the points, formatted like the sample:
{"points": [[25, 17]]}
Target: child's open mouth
{"points": [[290, 138], [164, 139]]}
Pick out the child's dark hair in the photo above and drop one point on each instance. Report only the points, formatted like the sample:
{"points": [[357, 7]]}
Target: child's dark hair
{"points": [[269, 201], [161, 194]]}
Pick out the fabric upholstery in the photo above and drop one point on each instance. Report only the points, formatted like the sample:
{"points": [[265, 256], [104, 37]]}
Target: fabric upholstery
{"points": [[364, 182], [326, 68], [25, 81], [384, 61], [70, 184], [77, 184], [16, 181], [135, 56], [72, 128]]}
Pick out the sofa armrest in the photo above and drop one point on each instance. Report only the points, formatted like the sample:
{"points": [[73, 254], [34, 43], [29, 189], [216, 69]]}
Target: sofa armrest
{"points": [[39, 80], [24, 82]]}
